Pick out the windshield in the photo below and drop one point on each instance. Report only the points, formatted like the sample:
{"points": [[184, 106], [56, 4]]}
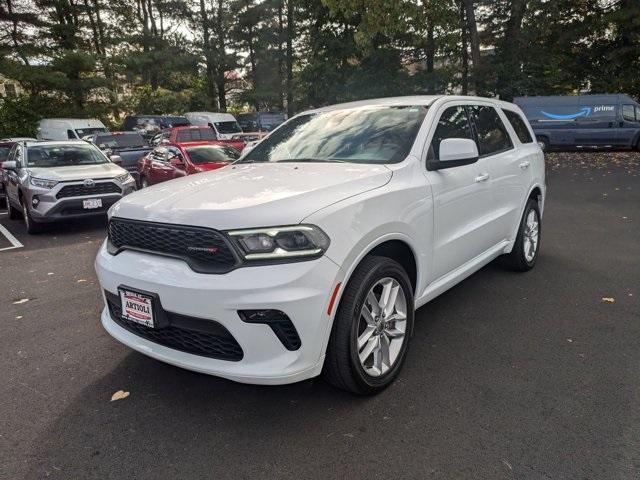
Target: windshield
{"points": [[83, 132], [125, 140], [228, 127], [375, 134], [212, 154], [47, 156]]}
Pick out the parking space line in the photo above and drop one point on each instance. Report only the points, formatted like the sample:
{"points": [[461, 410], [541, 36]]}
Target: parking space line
{"points": [[12, 240]]}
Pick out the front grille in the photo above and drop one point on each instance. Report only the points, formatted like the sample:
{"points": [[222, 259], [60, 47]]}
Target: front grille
{"points": [[205, 250], [80, 190], [197, 336]]}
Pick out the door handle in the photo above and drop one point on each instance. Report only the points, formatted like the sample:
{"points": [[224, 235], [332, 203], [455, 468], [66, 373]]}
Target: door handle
{"points": [[525, 165], [482, 177]]}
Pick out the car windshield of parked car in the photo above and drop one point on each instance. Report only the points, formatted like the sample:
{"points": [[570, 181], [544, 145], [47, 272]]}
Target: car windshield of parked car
{"points": [[228, 127], [47, 156], [212, 154], [372, 134], [124, 140]]}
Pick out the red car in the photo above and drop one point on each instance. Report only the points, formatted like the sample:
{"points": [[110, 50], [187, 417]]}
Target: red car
{"points": [[165, 162], [202, 133]]}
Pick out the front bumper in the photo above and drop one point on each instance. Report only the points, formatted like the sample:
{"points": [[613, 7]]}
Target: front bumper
{"points": [[301, 290], [51, 209]]}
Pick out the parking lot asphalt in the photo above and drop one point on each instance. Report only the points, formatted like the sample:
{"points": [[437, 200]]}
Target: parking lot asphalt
{"points": [[509, 376]]}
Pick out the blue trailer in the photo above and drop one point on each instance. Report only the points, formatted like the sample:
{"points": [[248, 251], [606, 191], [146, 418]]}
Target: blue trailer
{"points": [[584, 121]]}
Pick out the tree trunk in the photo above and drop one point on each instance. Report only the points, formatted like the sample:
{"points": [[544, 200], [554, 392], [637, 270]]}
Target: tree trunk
{"points": [[509, 53], [221, 81], [464, 83], [474, 39], [210, 83], [281, 60], [289, 60]]}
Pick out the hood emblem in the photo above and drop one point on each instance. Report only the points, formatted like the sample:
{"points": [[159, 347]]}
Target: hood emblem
{"points": [[89, 182]]}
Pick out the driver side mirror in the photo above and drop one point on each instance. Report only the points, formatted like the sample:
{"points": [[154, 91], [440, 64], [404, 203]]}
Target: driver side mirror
{"points": [[9, 165], [117, 159], [455, 152]]}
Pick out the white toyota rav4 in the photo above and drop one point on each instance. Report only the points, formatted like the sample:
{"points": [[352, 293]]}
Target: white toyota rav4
{"points": [[310, 254]]}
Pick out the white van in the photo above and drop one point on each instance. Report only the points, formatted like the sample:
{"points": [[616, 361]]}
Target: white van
{"points": [[68, 128], [224, 124]]}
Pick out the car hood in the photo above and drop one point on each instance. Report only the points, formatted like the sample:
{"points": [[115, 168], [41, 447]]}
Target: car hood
{"points": [[251, 195], [77, 172]]}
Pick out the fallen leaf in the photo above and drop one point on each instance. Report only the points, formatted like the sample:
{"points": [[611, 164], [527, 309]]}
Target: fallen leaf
{"points": [[608, 300], [22, 300], [569, 340], [119, 395], [50, 273], [81, 280], [18, 317]]}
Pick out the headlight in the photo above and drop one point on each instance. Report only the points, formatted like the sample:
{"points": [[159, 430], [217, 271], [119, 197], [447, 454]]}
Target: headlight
{"points": [[124, 178], [42, 183], [275, 243]]}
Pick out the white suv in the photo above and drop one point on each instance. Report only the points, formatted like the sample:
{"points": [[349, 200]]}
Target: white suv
{"points": [[310, 254]]}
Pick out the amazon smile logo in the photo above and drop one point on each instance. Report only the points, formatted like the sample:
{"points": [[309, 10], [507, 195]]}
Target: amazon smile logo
{"points": [[584, 112]]}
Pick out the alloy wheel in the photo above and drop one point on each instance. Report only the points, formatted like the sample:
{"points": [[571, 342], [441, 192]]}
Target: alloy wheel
{"points": [[531, 236], [382, 327]]}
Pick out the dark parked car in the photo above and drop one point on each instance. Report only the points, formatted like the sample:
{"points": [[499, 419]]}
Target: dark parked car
{"points": [[129, 146], [260, 121], [149, 125], [584, 121]]}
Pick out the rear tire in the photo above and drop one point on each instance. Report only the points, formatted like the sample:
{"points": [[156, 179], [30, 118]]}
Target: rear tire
{"points": [[367, 349], [525, 250]]}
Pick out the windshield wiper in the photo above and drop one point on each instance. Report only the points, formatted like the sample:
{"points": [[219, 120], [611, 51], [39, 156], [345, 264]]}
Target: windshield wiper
{"points": [[311, 160]]}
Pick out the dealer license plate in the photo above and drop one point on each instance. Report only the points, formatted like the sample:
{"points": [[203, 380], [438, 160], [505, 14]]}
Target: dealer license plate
{"points": [[92, 203], [137, 307]]}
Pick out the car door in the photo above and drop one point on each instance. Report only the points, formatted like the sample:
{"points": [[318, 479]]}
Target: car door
{"points": [[462, 199], [11, 176], [159, 168], [629, 126], [509, 173]]}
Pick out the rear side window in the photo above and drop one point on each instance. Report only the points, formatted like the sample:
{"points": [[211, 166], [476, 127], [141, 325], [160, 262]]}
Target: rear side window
{"points": [[195, 135], [628, 113], [519, 126], [492, 134], [453, 123]]}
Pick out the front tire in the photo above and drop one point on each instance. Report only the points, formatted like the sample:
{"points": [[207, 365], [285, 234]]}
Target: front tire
{"points": [[13, 213], [29, 223], [525, 250], [371, 329]]}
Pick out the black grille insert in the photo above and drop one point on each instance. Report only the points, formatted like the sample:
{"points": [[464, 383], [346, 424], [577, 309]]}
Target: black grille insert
{"points": [[197, 336], [204, 249], [99, 188]]}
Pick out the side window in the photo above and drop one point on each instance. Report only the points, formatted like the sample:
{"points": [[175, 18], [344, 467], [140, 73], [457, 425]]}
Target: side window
{"points": [[183, 136], [519, 126], [492, 134], [628, 113], [71, 135], [637, 114], [453, 123]]}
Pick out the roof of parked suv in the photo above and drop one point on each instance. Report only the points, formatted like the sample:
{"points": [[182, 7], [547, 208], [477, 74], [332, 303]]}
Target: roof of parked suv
{"points": [[56, 142], [425, 100]]}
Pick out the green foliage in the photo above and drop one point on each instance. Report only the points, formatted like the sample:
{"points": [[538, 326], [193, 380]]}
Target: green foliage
{"points": [[108, 58]]}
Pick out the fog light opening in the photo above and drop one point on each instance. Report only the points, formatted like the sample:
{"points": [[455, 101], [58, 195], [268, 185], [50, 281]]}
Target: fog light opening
{"points": [[35, 201]]}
